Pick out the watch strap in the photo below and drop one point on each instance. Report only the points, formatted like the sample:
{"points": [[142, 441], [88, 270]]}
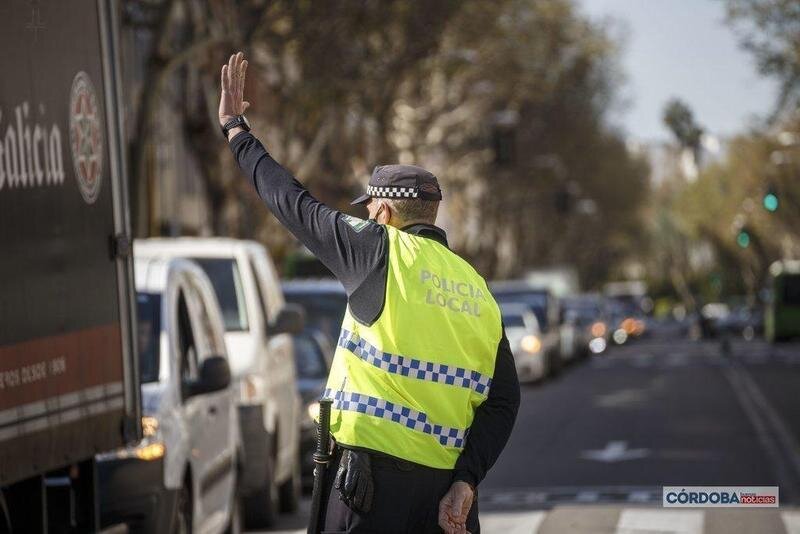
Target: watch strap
{"points": [[237, 122]]}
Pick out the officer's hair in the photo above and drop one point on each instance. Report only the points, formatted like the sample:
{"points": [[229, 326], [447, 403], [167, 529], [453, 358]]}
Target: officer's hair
{"points": [[413, 210]]}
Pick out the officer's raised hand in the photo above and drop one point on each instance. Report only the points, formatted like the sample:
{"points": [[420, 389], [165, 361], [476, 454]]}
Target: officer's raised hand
{"points": [[454, 508], [231, 103]]}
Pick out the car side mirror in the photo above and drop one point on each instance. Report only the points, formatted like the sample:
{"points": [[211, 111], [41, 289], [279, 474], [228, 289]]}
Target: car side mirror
{"points": [[215, 375], [290, 320]]}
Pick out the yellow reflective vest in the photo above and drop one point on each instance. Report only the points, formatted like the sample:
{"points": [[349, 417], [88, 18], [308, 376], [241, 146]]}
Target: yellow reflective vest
{"points": [[409, 384]]}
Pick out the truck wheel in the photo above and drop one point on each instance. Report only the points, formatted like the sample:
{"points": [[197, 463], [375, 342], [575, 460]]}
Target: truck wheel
{"points": [[261, 505], [290, 490], [183, 515]]}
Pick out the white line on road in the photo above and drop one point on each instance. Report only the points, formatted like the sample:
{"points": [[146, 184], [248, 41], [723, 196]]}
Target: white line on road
{"points": [[785, 436], [511, 522], [740, 388], [660, 521]]}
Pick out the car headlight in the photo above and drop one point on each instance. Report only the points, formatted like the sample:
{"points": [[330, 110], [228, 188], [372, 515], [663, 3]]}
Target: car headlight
{"points": [[597, 345], [149, 426], [531, 343], [620, 336], [150, 448], [151, 451]]}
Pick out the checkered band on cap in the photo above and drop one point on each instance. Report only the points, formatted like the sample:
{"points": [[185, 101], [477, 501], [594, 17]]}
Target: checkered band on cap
{"points": [[414, 368], [397, 413], [392, 192]]}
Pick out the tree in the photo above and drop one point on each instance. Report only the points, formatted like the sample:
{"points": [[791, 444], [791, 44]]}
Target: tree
{"points": [[770, 29], [678, 117]]}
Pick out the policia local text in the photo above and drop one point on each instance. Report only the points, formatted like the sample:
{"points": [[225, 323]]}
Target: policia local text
{"points": [[457, 296]]}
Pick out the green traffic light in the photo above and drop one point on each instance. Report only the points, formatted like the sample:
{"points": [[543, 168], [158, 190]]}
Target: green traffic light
{"points": [[771, 202], [743, 239]]}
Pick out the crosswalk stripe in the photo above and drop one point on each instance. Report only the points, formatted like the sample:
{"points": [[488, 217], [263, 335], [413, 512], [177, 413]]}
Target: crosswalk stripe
{"points": [[512, 522], [791, 522], [633, 521]]}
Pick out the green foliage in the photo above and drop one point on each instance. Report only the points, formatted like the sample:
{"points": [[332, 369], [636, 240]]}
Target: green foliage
{"points": [[338, 86], [770, 29], [680, 120]]}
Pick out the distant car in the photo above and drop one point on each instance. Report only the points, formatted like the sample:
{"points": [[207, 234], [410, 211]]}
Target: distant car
{"points": [[742, 321], [587, 313], [625, 319], [313, 358], [524, 337], [544, 306], [257, 327], [710, 318], [324, 302], [182, 477]]}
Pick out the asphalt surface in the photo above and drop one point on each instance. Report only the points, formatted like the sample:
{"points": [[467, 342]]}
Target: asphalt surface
{"points": [[592, 448]]}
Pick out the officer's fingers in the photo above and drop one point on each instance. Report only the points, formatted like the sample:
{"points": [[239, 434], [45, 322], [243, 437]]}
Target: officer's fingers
{"points": [[224, 78], [244, 72], [231, 70], [240, 79], [444, 522]]}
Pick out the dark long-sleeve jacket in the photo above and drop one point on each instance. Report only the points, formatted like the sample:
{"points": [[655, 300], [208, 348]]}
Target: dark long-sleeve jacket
{"points": [[357, 254]]}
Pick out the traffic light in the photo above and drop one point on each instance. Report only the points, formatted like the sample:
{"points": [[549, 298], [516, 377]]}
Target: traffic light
{"points": [[770, 199], [743, 238]]}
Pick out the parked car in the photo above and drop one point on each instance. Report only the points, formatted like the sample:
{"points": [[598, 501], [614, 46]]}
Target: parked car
{"points": [[524, 337], [257, 327], [544, 306], [323, 300], [313, 358], [182, 477]]}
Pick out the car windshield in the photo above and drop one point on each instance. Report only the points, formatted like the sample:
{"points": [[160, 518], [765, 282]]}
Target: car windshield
{"points": [[583, 311], [513, 321], [227, 282], [309, 360], [536, 301], [324, 311], [148, 314]]}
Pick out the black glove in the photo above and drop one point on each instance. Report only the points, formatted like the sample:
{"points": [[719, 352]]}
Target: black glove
{"points": [[354, 480]]}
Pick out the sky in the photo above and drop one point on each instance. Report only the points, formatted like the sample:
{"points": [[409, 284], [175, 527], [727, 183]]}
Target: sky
{"points": [[683, 48]]}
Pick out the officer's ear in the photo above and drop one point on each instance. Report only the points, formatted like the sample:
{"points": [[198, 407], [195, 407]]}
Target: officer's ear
{"points": [[384, 213]]}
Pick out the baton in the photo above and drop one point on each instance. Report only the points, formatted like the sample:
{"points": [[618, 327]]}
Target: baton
{"points": [[322, 457]]}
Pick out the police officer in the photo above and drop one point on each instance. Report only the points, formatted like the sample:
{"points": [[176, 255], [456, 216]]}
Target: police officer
{"points": [[424, 386]]}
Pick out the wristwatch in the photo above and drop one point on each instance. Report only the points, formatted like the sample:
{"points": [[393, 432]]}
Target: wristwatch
{"points": [[239, 121]]}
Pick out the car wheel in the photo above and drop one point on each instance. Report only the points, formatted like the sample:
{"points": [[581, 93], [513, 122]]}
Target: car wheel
{"points": [[290, 490], [261, 505], [183, 517]]}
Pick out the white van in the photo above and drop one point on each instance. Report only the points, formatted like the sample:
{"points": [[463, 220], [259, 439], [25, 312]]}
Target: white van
{"points": [[182, 477], [257, 327]]}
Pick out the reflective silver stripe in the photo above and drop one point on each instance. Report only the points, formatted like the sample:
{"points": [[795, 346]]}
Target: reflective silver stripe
{"points": [[414, 368], [397, 413]]}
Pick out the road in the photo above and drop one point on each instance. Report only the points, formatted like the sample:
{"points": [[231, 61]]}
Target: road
{"points": [[592, 449]]}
